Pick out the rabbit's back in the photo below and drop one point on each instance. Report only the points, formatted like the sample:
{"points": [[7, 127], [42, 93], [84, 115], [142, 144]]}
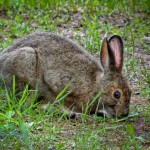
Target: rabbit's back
{"points": [[51, 47], [45, 40]]}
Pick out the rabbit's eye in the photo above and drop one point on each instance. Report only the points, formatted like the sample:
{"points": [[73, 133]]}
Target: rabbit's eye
{"points": [[117, 94]]}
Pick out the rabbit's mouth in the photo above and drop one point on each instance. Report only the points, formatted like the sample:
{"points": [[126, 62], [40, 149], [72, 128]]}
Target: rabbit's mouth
{"points": [[109, 112], [104, 113]]}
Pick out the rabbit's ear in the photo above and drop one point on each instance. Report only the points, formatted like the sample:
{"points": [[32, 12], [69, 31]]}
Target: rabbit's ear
{"points": [[104, 54], [115, 50]]}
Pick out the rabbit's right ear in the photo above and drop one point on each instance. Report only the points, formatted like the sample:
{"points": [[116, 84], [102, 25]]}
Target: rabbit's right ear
{"points": [[104, 56]]}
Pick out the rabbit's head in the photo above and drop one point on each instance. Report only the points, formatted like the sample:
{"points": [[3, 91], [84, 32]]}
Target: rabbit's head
{"points": [[115, 97]]}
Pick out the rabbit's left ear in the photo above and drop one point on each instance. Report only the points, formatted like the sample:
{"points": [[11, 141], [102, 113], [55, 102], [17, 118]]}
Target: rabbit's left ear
{"points": [[115, 50]]}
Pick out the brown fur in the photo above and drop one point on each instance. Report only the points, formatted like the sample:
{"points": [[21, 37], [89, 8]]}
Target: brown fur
{"points": [[53, 61]]}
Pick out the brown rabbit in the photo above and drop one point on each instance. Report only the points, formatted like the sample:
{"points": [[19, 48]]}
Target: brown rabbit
{"points": [[53, 61]]}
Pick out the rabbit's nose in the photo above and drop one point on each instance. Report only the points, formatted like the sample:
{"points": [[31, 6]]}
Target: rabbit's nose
{"points": [[126, 105], [125, 111]]}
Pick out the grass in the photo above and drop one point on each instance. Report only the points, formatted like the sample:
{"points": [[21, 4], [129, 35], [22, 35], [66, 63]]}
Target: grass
{"points": [[25, 125]]}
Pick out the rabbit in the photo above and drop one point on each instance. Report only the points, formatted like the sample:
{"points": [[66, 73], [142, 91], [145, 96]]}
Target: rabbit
{"points": [[51, 61]]}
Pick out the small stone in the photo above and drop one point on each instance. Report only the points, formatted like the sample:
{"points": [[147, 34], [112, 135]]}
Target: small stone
{"points": [[146, 40]]}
